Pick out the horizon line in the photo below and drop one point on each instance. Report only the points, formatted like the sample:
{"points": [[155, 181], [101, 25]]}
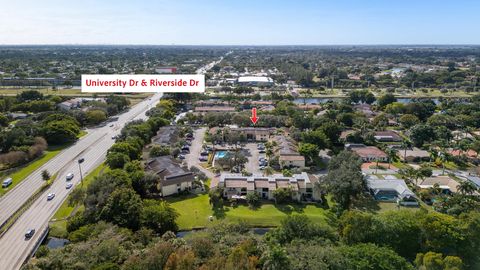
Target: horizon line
{"points": [[242, 45]]}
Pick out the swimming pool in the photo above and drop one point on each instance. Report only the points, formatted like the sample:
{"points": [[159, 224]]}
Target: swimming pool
{"points": [[220, 154]]}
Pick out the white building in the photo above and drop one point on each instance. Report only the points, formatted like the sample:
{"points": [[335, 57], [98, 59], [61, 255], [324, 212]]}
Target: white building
{"points": [[255, 81], [302, 185]]}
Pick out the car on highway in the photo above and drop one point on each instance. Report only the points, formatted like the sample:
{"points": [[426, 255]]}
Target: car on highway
{"points": [[69, 185], [29, 233], [69, 176], [50, 196]]}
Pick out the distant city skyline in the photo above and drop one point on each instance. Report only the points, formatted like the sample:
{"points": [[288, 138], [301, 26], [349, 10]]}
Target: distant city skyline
{"points": [[216, 22]]}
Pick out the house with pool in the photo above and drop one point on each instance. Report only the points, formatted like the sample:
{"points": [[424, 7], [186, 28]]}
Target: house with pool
{"points": [[391, 190], [302, 185]]}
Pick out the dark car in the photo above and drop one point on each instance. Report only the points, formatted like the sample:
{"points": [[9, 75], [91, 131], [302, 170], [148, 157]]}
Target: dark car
{"points": [[29, 233]]}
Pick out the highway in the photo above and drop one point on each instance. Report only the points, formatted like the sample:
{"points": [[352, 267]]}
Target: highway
{"points": [[14, 248]]}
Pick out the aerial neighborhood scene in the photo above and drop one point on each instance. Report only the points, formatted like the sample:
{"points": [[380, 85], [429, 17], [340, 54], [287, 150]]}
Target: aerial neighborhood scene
{"points": [[326, 135]]}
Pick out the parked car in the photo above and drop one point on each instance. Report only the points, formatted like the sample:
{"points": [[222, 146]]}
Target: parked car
{"points": [[114, 137], [69, 186], [204, 153], [262, 168], [69, 176], [50, 196], [181, 156], [80, 160], [203, 158], [29, 233]]}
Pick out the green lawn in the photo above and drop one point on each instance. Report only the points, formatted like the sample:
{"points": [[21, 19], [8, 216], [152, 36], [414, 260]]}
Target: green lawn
{"points": [[195, 210], [23, 172], [58, 227]]}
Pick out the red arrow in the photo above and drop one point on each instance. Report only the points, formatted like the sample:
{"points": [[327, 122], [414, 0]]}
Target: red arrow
{"points": [[254, 117]]}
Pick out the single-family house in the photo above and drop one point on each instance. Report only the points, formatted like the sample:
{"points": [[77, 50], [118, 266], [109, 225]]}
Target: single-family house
{"points": [[391, 190], [368, 153], [413, 155], [447, 184], [387, 136]]}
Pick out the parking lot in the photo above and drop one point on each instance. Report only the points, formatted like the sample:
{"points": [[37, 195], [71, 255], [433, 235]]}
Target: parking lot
{"points": [[252, 164]]}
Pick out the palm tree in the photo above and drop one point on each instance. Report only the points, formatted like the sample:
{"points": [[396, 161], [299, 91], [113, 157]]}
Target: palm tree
{"points": [[268, 171], [443, 158], [392, 155], [467, 188], [433, 155], [405, 144], [411, 175]]}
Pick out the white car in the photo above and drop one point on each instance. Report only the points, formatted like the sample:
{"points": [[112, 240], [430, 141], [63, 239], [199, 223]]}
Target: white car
{"points": [[69, 186], [50, 196], [69, 176]]}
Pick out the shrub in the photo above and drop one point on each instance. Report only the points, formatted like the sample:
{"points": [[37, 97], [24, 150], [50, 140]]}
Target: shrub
{"points": [[253, 200]]}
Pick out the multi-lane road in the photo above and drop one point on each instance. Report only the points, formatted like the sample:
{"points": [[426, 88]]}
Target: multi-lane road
{"points": [[14, 249]]}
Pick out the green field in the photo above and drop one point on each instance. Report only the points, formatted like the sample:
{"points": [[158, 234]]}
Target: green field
{"points": [[23, 172], [195, 211], [58, 225]]}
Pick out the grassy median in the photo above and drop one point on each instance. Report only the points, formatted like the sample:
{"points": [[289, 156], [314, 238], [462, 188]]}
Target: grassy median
{"points": [[22, 172]]}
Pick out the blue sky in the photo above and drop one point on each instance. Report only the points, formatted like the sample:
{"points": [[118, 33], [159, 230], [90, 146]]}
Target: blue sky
{"points": [[241, 22]]}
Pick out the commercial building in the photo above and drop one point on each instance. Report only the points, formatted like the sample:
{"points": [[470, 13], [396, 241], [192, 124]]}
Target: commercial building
{"points": [[166, 70], [255, 81]]}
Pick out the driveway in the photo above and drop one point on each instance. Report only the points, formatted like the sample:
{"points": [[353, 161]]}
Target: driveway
{"points": [[192, 158]]}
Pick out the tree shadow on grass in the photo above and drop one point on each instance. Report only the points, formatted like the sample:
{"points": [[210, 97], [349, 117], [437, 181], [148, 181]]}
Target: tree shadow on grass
{"points": [[366, 203], [289, 208]]}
